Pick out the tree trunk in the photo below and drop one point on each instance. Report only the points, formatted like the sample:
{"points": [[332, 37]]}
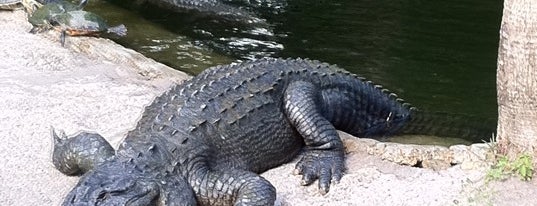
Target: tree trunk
{"points": [[517, 79]]}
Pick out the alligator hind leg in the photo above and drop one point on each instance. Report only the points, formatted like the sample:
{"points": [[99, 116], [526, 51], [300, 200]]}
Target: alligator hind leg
{"points": [[78, 154], [233, 187], [323, 158]]}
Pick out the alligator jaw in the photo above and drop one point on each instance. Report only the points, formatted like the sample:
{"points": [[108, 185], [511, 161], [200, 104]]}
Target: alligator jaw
{"points": [[112, 184]]}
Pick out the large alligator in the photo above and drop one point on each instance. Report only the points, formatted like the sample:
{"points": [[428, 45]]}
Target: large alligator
{"points": [[206, 140]]}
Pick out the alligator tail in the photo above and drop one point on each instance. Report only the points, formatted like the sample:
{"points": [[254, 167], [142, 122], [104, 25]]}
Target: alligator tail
{"points": [[444, 124], [119, 30]]}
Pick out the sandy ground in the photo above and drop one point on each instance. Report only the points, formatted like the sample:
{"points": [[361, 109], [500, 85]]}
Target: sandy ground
{"points": [[96, 85]]}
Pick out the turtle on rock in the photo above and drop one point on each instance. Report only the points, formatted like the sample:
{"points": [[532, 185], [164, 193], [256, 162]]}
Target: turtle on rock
{"points": [[40, 19], [84, 23]]}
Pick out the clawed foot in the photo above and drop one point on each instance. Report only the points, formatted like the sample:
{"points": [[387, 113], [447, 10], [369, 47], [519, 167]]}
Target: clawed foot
{"points": [[326, 165]]}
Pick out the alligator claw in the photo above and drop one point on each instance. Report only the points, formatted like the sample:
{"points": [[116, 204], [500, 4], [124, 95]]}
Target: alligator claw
{"points": [[325, 165]]}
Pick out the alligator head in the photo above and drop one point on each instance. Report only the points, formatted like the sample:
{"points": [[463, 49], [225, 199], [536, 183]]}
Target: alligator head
{"points": [[111, 184], [117, 182]]}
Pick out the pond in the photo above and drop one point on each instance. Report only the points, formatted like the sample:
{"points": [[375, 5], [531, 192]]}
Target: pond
{"points": [[437, 55]]}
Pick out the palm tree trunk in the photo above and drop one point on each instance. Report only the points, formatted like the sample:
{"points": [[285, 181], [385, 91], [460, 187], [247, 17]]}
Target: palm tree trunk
{"points": [[517, 79]]}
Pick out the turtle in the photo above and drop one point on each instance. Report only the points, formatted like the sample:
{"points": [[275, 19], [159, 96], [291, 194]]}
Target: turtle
{"points": [[84, 23], [29, 5], [40, 19]]}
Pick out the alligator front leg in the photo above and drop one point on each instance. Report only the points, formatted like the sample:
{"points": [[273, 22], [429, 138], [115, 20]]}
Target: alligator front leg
{"points": [[79, 154], [232, 187], [323, 158]]}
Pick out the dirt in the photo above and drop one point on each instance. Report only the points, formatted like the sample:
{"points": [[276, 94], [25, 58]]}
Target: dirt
{"points": [[94, 84]]}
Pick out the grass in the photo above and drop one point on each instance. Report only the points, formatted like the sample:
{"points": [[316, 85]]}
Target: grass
{"points": [[504, 167]]}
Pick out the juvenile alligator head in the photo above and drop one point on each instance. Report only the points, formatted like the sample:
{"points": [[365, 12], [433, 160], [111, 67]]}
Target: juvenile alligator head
{"points": [[112, 184]]}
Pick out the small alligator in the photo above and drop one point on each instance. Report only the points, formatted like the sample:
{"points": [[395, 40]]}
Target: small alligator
{"points": [[217, 8], [205, 141]]}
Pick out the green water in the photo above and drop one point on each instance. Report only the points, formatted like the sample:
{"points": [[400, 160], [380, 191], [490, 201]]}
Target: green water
{"points": [[437, 55]]}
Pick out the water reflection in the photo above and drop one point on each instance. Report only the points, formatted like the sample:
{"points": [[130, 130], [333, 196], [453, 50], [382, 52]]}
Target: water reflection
{"points": [[154, 41], [438, 55]]}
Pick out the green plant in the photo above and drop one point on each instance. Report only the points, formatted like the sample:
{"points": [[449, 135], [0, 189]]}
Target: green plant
{"points": [[500, 170], [504, 167], [523, 166]]}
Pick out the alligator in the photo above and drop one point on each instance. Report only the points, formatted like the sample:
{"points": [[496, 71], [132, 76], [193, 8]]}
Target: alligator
{"points": [[222, 10], [204, 142]]}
